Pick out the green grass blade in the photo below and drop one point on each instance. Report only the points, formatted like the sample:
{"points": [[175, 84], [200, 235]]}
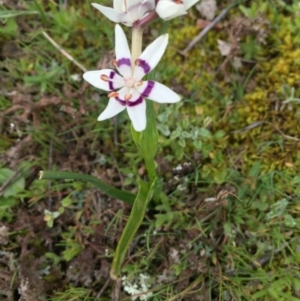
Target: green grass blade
{"points": [[5, 14], [135, 219], [121, 195]]}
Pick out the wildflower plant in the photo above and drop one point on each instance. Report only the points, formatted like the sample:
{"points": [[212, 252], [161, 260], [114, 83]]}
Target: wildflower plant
{"points": [[128, 90]]}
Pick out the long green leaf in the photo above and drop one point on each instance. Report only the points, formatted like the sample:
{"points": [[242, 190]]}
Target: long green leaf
{"points": [[118, 194], [149, 137], [135, 219], [147, 141]]}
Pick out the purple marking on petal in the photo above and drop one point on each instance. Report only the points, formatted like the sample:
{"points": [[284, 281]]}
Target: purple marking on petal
{"points": [[143, 64], [124, 61], [122, 102], [148, 89], [110, 83], [136, 102]]}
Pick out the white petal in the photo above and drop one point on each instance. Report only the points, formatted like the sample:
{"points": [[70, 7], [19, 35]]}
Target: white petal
{"points": [[146, 6], [118, 5], [134, 11], [189, 3], [114, 80], [109, 12], [113, 108], [157, 92], [150, 57], [133, 15], [149, 3], [137, 115], [123, 55], [169, 9], [132, 4]]}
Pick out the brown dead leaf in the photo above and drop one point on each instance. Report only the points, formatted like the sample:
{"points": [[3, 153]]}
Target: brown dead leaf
{"points": [[224, 47], [4, 235]]}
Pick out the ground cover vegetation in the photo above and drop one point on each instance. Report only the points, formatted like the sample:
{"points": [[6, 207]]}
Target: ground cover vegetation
{"points": [[227, 225]]}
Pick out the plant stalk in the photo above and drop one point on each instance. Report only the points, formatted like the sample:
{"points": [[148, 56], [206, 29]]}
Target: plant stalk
{"points": [[136, 44]]}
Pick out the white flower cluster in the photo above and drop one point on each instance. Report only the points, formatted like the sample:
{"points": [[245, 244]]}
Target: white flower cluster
{"points": [[138, 289], [130, 11]]}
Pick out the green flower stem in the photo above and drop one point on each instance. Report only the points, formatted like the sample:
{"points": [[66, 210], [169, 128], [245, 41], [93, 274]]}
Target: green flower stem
{"points": [[118, 194]]}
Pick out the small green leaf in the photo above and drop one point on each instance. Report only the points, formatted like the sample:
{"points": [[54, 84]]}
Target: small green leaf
{"points": [[181, 143], [296, 180], [17, 184], [259, 205], [197, 144], [164, 129], [255, 169], [175, 134], [220, 176], [7, 202], [72, 251], [289, 221], [219, 134], [55, 258], [66, 202], [205, 133]]}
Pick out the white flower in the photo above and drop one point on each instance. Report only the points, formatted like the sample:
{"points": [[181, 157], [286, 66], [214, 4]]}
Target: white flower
{"points": [[132, 90], [126, 11], [169, 9]]}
